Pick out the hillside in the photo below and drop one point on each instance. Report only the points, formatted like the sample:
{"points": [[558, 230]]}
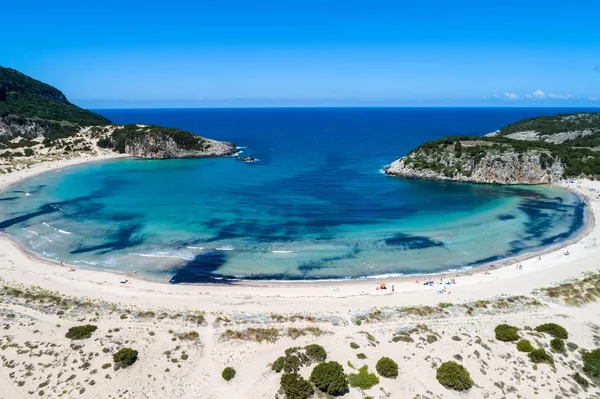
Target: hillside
{"points": [[25, 97], [581, 127], [511, 155], [38, 123]]}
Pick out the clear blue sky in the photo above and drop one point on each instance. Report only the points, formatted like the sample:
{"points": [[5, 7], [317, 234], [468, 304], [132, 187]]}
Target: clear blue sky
{"points": [[196, 53]]}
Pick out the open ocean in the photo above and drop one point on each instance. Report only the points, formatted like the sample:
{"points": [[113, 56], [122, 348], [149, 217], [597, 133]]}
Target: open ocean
{"points": [[315, 206]]}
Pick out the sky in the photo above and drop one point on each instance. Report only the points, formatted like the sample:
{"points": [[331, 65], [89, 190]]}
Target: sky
{"points": [[114, 54]]}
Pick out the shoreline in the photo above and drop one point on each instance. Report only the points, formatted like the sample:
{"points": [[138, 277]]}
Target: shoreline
{"points": [[48, 166]]}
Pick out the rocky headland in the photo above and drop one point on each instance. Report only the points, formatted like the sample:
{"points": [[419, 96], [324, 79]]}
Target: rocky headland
{"points": [[541, 150]]}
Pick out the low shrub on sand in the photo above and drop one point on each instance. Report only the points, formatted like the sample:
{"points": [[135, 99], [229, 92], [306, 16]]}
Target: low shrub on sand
{"points": [[553, 329], [228, 373], [316, 353], [364, 379], [506, 333], [540, 356], [330, 378], [294, 386], [524, 346], [557, 345], [125, 357], [387, 368], [81, 332], [591, 363], [454, 376]]}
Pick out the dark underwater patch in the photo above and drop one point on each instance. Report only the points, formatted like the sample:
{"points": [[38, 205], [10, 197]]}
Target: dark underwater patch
{"points": [[8, 198], [200, 269], [122, 239], [42, 210], [408, 241], [506, 217], [324, 263]]}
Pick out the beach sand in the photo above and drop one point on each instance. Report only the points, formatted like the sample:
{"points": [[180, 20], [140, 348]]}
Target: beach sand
{"points": [[326, 312]]}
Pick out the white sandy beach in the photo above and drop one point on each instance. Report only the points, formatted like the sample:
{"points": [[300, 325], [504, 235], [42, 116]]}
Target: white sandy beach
{"points": [[200, 378]]}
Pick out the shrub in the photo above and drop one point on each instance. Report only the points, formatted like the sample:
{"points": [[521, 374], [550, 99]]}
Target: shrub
{"points": [[296, 387], [125, 357], [364, 379], [540, 356], [557, 345], [553, 329], [580, 380], [387, 368], [361, 356], [506, 333], [454, 376], [524, 346], [316, 353], [329, 377], [354, 345], [81, 332], [278, 364], [591, 363], [228, 373]]}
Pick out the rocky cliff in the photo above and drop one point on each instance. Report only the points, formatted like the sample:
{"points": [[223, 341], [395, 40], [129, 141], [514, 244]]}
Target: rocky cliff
{"points": [[478, 161]]}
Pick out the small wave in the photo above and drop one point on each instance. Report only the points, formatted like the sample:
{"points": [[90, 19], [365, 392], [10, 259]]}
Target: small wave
{"points": [[377, 276], [31, 231], [46, 238], [27, 194], [48, 254], [282, 252], [86, 262], [63, 231], [241, 147], [194, 247], [162, 255], [225, 248]]}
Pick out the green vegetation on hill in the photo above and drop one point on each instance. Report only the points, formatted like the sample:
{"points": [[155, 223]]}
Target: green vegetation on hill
{"points": [[26, 97], [126, 135], [556, 123], [577, 161]]}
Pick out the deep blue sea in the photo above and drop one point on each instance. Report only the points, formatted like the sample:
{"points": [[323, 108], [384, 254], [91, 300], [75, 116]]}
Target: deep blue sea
{"points": [[315, 205]]}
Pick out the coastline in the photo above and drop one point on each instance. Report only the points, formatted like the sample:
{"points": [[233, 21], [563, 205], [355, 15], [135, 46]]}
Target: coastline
{"points": [[354, 286]]}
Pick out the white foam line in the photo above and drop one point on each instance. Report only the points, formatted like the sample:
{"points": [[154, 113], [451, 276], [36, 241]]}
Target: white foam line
{"points": [[282, 252], [31, 231], [195, 247], [226, 248], [63, 231]]}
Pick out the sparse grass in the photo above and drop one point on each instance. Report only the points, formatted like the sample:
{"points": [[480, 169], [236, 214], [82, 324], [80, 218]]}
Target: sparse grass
{"points": [[580, 380], [253, 334], [577, 292], [188, 336], [364, 379]]}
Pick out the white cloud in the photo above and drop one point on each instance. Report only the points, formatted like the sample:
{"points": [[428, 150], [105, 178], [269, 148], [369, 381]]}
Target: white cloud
{"points": [[538, 94], [593, 98], [510, 96], [560, 96], [496, 96]]}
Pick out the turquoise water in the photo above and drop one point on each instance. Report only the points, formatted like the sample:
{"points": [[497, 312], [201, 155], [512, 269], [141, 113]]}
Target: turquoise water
{"points": [[315, 205]]}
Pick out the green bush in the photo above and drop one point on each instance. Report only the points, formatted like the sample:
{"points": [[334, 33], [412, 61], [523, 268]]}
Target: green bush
{"points": [[553, 329], [288, 363], [506, 333], [540, 356], [524, 346], [329, 377], [361, 356], [557, 345], [228, 373], [387, 368], [125, 357], [580, 380], [454, 376], [316, 353], [591, 363], [81, 332], [364, 379], [296, 387], [354, 345]]}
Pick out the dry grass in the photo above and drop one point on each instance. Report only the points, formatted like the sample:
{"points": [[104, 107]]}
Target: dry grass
{"points": [[253, 334], [577, 292]]}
